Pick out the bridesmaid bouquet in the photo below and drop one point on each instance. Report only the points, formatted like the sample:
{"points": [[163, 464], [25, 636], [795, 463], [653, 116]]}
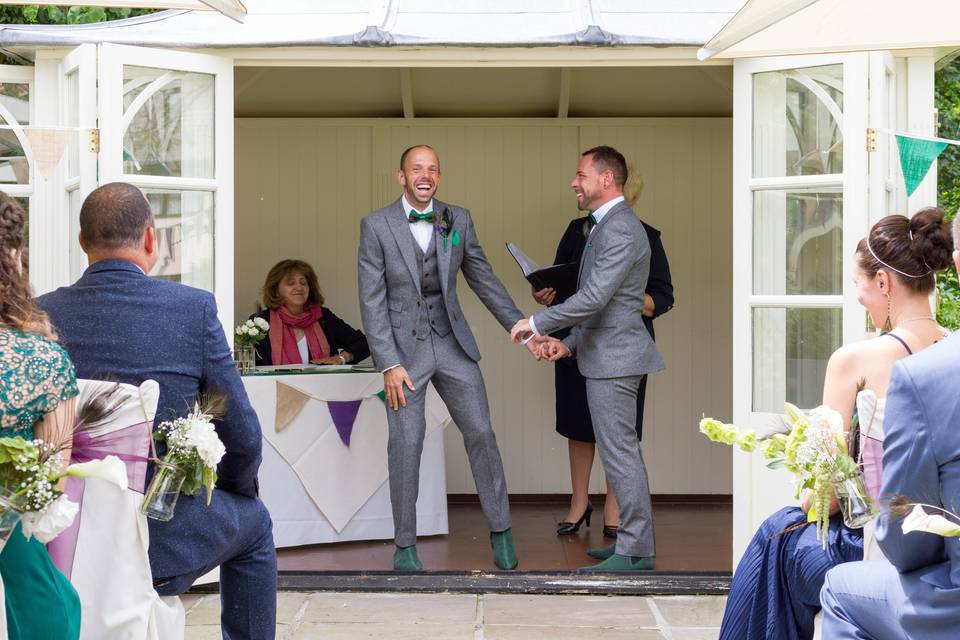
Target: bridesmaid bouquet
{"points": [[815, 452], [30, 471], [193, 451]]}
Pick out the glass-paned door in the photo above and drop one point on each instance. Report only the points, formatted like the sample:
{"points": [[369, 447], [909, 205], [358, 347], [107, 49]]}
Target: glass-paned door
{"points": [[800, 203], [79, 95], [167, 127]]}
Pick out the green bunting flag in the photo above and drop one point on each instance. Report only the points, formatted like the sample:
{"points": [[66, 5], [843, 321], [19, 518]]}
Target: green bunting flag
{"points": [[916, 156]]}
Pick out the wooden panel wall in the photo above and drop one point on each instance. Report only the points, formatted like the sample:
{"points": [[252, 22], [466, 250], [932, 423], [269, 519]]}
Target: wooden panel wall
{"points": [[304, 184]]}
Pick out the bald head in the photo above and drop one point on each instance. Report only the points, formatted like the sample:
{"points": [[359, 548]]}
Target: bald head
{"points": [[114, 216]]}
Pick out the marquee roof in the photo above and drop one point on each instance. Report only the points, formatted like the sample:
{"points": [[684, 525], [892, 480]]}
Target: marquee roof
{"points": [[472, 23]]}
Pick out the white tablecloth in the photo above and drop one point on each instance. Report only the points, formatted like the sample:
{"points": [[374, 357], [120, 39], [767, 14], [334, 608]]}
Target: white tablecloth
{"points": [[319, 490]]}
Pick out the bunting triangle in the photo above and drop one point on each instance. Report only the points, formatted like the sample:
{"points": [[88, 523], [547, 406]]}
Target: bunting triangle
{"points": [[290, 402], [344, 414], [48, 146], [916, 157]]}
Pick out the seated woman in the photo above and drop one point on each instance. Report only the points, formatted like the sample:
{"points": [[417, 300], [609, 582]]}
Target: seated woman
{"points": [[38, 389], [302, 331], [775, 592]]}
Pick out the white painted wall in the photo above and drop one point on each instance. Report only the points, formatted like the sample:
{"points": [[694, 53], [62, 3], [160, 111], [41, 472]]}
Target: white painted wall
{"points": [[302, 186]]}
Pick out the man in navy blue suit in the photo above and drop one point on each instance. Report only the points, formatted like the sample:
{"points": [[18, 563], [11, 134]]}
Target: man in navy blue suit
{"points": [[118, 324]]}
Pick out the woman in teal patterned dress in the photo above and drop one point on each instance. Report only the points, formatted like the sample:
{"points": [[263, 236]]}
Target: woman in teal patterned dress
{"points": [[38, 389]]}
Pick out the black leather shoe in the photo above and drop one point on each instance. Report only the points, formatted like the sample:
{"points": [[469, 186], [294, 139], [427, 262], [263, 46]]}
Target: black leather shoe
{"points": [[610, 531], [565, 528]]}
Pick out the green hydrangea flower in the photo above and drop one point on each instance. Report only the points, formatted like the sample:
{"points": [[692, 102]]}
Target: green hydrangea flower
{"points": [[718, 431]]}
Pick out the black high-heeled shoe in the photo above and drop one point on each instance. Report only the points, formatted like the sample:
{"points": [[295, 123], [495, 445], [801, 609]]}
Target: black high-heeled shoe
{"points": [[565, 528], [610, 530]]}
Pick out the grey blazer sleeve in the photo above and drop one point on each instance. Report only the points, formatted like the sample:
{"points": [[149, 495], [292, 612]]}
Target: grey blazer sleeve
{"points": [[374, 312], [910, 469], [484, 282], [619, 251]]}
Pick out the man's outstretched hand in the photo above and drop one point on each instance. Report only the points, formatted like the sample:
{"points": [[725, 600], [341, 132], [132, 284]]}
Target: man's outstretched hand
{"points": [[521, 330], [393, 381]]}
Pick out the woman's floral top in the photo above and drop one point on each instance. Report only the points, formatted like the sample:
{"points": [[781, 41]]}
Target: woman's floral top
{"points": [[35, 376]]}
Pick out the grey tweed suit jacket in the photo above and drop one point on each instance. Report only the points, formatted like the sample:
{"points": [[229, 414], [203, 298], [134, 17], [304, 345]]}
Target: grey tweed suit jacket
{"points": [[609, 338], [389, 283]]}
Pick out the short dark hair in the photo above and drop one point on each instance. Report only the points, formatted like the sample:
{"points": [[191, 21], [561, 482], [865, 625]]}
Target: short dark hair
{"points": [[403, 156], [609, 159], [279, 272], [115, 216]]}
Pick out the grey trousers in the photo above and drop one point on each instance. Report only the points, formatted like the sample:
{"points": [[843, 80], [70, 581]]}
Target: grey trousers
{"points": [[458, 380], [613, 408]]}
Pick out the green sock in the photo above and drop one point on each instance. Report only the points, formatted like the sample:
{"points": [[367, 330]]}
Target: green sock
{"points": [[504, 555], [406, 559], [617, 562]]}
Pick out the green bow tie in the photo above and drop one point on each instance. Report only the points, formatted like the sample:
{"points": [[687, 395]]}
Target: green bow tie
{"points": [[416, 216]]}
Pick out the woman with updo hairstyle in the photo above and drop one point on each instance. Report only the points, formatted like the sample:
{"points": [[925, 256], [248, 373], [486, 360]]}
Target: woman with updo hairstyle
{"points": [[302, 330], [38, 389], [775, 592]]}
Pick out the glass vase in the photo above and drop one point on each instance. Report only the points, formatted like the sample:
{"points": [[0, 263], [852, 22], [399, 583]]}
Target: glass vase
{"points": [[856, 505], [243, 355], [160, 501], [9, 517]]}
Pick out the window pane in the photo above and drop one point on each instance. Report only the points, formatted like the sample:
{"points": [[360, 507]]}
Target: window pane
{"points": [[15, 99], [798, 242], [184, 223], [72, 119], [790, 352], [797, 120], [171, 131]]}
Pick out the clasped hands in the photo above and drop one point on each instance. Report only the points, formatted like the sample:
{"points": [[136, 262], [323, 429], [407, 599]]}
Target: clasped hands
{"points": [[540, 347]]}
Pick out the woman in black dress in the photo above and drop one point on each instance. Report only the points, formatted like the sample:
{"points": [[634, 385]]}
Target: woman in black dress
{"points": [[573, 413]]}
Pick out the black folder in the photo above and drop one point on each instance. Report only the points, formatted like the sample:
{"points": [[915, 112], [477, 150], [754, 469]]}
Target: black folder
{"points": [[560, 277]]}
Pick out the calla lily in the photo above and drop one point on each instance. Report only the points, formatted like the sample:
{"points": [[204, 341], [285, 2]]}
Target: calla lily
{"points": [[920, 520], [110, 469]]}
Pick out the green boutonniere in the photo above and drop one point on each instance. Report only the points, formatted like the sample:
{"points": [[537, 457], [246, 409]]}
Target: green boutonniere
{"points": [[444, 224]]}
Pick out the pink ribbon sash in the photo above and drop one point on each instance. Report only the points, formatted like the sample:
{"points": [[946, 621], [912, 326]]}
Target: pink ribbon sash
{"points": [[130, 444]]}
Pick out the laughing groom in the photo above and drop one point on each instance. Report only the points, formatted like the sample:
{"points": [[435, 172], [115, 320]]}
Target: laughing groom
{"points": [[410, 253], [611, 344]]}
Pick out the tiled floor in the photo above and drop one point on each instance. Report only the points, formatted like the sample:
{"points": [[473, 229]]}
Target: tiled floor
{"points": [[690, 537], [374, 616]]}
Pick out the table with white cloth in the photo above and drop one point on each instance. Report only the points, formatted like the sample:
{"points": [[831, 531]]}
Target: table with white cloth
{"points": [[317, 488]]}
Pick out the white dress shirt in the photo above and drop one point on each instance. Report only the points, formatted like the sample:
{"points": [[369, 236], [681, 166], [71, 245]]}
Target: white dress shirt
{"points": [[598, 215], [422, 230]]}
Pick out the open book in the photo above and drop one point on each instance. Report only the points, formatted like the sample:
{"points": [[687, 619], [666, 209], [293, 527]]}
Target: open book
{"points": [[561, 277]]}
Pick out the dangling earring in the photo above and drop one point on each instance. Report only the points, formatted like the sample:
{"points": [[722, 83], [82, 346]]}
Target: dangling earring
{"points": [[887, 327]]}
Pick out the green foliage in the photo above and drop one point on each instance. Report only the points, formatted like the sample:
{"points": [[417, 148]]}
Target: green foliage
{"points": [[35, 14], [948, 183]]}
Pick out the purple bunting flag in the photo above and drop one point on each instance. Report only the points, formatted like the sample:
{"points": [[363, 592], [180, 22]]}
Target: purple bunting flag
{"points": [[344, 414]]}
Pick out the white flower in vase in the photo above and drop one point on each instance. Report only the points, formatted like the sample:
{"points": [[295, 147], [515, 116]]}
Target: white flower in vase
{"points": [[263, 324], [48, 523], [203, 437]]}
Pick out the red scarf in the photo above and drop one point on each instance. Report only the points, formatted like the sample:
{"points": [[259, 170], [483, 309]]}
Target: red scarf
{"points": [[283, 344]]}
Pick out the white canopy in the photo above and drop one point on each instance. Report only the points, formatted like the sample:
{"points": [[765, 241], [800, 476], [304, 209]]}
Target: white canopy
{"points": [[231, 8], [498, 23], [787, 27]]}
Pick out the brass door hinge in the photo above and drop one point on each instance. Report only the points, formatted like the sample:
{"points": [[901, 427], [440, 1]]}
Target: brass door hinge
{"points": [[871, 140], [95, 140]]}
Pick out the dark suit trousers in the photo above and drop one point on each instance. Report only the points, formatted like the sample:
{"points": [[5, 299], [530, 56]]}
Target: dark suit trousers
{"points": [[240, 536]]}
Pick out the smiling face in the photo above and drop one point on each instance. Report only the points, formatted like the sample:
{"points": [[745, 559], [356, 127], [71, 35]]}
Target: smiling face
{"points": [[294, 290], [420, 176], [590, 185]]}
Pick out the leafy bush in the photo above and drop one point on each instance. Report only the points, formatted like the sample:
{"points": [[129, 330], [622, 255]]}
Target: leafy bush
{"points": [[35, 14]]}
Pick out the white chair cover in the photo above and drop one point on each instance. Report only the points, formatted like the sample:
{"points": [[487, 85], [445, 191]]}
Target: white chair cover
{"points": [[110, 567]]}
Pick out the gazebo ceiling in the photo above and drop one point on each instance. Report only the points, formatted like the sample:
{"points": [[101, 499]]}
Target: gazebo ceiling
{"points": [[502, 23], [483, 92]]}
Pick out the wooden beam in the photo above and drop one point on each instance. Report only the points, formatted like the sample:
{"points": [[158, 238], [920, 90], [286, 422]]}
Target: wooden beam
{"points": [[563, 104], [406, 93]]}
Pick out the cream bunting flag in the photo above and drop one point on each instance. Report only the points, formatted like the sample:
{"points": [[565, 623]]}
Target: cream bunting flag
{"points": [[290, 401], [47, 145]]}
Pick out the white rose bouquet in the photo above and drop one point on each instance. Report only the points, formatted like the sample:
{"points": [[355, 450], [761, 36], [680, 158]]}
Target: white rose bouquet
{"points": [[193, 451], [815, 452], [30, 471], [251, 332]]}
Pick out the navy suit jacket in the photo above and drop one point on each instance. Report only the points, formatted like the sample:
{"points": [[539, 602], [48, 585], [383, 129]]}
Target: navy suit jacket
{"points": [[118, 324], [921, 461]]}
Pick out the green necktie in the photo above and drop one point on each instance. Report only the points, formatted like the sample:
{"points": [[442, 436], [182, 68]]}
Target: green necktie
{"points": [[416, 216], [593, 221]]}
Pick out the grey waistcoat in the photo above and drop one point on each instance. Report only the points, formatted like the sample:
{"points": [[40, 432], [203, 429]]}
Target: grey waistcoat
{"points": [[433, 310]]}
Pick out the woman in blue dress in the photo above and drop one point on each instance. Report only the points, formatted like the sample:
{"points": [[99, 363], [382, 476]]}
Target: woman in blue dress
{"points": [[38, 389], [775, 592]]}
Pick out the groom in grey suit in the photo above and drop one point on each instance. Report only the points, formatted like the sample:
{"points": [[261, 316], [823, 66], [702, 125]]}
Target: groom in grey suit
{"points": [[410, 253], [611, 344]]}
